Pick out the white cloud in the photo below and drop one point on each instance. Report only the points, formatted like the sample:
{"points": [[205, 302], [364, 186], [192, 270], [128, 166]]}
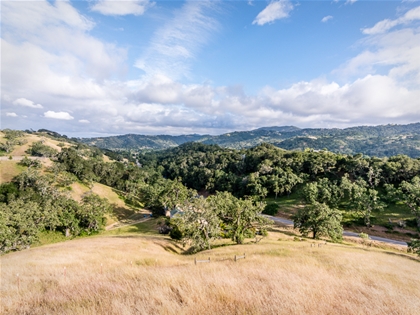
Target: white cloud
{"points": [[54, 38], [176, 43], [385, 25], [274, 11], [77, 72], [25, 102], [395, 53], [32, 16], [11, 115], [350, 1], [326, 18], [123, 7], [58, 115], [372, 98]]}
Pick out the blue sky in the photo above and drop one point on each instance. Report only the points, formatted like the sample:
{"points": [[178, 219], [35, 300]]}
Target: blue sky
{"points": [[97, 68]]}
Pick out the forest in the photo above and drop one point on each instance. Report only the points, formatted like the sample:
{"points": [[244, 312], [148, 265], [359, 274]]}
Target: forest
{"points": [[221, 191]]}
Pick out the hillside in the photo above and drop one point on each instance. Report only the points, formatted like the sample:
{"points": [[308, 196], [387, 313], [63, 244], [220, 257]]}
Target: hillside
{"points": [[381, 141], [10, 167], [140, 272]]}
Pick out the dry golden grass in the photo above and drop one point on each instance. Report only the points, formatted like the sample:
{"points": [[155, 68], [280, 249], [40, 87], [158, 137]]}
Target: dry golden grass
{"points": [[8, 170], [120, 209], [20, 150], [30, 139], [145, 275]]}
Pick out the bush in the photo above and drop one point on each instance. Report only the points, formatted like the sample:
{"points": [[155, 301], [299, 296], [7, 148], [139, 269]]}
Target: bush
{"points": [[271, 209], [30, 163], [175, 233], [40, 149], [414, 246], [389, 226]]}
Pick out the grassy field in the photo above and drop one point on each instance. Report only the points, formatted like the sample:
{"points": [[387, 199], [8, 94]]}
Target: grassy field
{"points": [[136, 271], [8, 170]]}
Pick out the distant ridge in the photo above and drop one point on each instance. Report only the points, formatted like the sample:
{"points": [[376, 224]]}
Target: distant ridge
{"points": [[381, 141], [280, 129]]}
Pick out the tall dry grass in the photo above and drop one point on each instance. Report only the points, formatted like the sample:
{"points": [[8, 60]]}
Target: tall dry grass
{"points": [[146, 275]]}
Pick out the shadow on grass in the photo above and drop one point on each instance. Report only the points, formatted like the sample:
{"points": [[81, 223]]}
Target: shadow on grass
{"points": [[121, 213], [171, 247], [403, 255]]}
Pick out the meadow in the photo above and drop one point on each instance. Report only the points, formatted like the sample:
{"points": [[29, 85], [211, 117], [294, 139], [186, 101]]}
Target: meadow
{"points": [[134, 270]]}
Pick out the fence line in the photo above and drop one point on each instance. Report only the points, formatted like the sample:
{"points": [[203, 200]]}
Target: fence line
{"points": [[201, 261], [240, 257]]}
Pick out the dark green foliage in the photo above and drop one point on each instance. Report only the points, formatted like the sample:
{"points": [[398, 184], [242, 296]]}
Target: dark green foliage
{"points": [[8, 192], [176, 234], [20, 222], [414, 246], [33, 203], [320, 220], [409, 193], [92, 211], [30, 163], [40, 149], [220, 215], [271, 209]]}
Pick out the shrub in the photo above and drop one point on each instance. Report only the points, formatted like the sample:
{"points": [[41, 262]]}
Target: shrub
{"points": [[414, 246], [175, 233], [271, 209]]}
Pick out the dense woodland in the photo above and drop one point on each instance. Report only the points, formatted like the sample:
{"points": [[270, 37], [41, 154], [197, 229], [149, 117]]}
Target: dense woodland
{"points": [[238, 182]]}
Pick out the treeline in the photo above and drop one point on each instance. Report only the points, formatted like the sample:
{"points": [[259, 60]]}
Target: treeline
{"points": [[267, 170]]}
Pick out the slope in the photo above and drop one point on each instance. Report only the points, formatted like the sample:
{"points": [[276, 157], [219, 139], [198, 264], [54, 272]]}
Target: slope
{"points": [[144, 274]]}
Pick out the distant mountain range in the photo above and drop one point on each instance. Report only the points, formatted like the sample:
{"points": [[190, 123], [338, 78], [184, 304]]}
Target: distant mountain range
{"points": [[381, 141]]}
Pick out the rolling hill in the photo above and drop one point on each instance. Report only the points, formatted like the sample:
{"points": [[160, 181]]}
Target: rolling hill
{"points": [[380, 141]]}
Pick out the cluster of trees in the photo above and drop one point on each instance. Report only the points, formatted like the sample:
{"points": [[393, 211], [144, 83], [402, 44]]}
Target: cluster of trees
{"points": [[266, 169], [13, 138], [34, 202], [324, 179], [203, 220], [40, 149]]}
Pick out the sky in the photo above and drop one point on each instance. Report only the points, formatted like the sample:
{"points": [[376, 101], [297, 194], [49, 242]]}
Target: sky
{"points": [[98, 68]]}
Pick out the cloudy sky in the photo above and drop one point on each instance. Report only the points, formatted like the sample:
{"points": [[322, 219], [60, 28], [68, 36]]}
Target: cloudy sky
{"points": [[99, 67]]}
